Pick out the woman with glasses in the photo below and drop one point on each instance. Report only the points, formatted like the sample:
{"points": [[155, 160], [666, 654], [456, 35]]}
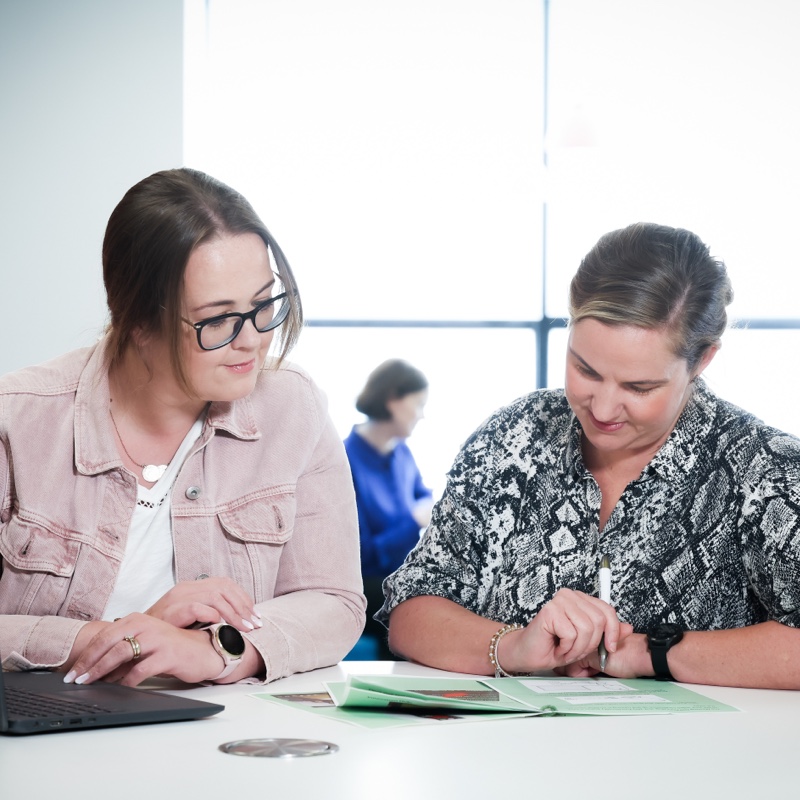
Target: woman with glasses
{"points": [[632, 523], [176, 500]]}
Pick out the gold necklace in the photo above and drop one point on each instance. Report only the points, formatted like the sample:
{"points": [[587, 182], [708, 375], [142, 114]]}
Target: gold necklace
{"points": [[150, 472]]}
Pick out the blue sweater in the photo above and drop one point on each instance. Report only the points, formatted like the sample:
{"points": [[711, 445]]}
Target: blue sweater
{"points": [[387, 485]]}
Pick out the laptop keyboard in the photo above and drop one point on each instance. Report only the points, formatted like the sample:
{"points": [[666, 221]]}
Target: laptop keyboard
{"points": [[23, 704]]}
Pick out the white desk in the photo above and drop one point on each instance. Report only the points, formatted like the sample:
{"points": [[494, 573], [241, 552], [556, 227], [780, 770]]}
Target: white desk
{"points": [[752, 754]]}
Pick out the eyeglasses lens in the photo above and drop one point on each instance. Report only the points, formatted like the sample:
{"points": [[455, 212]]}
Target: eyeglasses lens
{"points": [[268, 316], [217, 333], [221, 331]]}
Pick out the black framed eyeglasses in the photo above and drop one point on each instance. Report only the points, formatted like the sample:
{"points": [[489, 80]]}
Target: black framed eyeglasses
{"points": [[216, 332]]}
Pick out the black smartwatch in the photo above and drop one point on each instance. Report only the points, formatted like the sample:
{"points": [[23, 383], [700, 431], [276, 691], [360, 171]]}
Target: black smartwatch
{"points": [[659, 640]]}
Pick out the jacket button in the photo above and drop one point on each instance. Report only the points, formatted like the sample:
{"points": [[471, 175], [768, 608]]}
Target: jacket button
{"points": [[193, 492]]}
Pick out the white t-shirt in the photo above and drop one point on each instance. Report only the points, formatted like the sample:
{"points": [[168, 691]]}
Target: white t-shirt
{"points": [[147, 571]]}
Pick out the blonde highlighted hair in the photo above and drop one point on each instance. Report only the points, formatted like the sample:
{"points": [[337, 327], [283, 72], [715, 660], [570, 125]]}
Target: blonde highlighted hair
{"points": [[654, 276]]}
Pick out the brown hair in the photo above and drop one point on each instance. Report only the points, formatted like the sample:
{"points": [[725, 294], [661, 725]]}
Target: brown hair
{"points": [[654, 276], [391, 380], [148, 241]]}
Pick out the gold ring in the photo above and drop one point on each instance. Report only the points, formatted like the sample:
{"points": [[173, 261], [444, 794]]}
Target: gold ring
{"points": [[137, 651]]}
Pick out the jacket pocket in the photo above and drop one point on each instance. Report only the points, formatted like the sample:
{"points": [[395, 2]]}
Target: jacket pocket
{"points": [[257, 530], [38, 564], [267, 519], [36, 547]]}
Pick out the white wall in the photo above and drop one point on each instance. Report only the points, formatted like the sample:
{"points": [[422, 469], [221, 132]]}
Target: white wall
{"points": [[91, 102]]}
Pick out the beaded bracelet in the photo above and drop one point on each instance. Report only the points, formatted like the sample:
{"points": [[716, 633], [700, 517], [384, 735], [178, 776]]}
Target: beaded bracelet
{"points": [[499, 672]]}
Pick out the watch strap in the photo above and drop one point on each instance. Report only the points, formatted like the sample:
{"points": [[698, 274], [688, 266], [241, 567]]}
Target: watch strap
{"points": [[229, 667], [658, 655], [659, 641]]}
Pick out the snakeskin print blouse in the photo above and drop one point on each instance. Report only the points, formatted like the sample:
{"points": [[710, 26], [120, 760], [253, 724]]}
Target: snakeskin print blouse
{"points": [[707, 537]]}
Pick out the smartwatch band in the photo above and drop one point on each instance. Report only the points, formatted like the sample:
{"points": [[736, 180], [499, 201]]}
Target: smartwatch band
{"points": [[658, 655], [232, 658], [660, 640]]}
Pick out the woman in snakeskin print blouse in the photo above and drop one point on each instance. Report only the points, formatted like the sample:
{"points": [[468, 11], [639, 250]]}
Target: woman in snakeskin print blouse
{"points": [[695, 502]]}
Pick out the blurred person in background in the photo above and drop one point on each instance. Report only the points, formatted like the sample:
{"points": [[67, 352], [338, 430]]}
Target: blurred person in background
{"points": [[394, 505]]}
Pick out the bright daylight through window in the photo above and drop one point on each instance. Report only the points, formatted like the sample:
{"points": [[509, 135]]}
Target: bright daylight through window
{"points": [[434, 171]]}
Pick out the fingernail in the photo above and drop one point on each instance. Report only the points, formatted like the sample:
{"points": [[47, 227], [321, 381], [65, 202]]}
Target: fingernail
{"points": [[257, 620], [249, 625], [83, 678], [70, 676]]}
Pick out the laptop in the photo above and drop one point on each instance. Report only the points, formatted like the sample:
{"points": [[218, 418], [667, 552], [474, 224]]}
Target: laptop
{"points": [[40, 702]]}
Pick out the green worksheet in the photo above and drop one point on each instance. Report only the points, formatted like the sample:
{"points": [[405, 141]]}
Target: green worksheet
{"points": [[380, 701]]}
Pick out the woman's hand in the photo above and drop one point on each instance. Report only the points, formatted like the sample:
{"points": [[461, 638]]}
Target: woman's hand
{"points": [[631, 660], [567, 631], [140, 646], [421, 512], [207, 601]]}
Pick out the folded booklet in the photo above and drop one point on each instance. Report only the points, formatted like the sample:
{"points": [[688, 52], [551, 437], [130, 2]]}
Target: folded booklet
{"points": [[532, 696]]}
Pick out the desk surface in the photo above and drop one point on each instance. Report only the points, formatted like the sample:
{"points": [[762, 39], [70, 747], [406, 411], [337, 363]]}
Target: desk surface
{"points": [[743, 755]]}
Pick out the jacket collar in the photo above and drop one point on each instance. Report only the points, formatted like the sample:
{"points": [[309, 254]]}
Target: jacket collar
{"points": [[95, 447], [236, 418]]}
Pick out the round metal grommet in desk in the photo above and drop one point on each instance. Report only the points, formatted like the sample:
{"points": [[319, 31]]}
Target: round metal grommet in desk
{"points": [[278, 748]]}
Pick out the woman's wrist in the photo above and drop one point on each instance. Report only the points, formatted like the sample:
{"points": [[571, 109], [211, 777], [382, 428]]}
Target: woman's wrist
{"points": [[502, 651], [637, 653], [250, 665]]}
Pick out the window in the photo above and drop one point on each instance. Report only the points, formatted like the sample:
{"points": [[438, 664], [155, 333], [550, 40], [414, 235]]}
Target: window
{"points": [[434, 171]]}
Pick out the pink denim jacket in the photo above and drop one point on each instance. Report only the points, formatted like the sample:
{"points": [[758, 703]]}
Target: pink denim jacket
{"points": [[265, 497]]}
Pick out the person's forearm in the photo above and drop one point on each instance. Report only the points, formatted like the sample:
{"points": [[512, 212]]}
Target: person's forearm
{"points": [[442, 634], [37, 642], [765, 656]]}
